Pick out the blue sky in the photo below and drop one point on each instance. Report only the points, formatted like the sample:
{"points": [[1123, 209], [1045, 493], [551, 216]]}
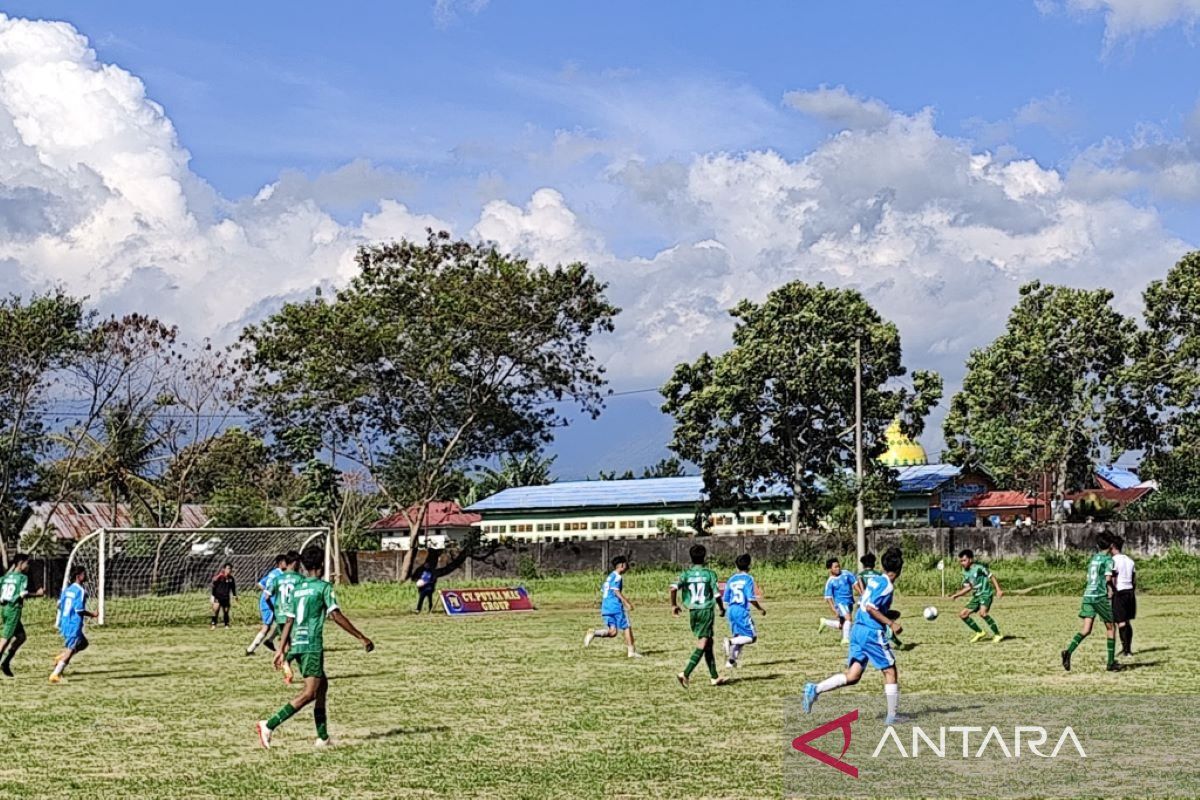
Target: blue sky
{"points": [[933, 155]]}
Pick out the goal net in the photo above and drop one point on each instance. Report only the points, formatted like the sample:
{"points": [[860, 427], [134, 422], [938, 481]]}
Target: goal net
{"points": [[159, 576]]}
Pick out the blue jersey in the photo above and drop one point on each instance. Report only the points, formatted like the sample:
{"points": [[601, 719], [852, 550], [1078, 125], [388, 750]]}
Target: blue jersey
{"points": [[877, 594], [609, 602], [840, 587], [267, 584], [739, 591], [70, 609]]}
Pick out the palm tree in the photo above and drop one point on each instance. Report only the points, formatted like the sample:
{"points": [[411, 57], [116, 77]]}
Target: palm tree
{"points": [[520, 469]]}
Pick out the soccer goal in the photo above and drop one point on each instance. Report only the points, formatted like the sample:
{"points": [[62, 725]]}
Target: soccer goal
{"points": [[158, 576]]}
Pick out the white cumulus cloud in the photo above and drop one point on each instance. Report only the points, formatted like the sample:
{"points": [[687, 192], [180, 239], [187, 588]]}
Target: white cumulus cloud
{"points": [[1125, 18]]}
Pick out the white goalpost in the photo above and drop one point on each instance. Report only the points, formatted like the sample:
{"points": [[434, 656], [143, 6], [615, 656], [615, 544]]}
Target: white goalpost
{"points": [[155, 576]]}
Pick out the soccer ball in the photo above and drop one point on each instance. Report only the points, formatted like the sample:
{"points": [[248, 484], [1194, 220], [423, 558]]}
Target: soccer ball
{"points": [[931, 613]]}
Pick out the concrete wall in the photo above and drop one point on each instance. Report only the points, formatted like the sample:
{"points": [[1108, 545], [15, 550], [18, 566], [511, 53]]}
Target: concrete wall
{"points": [[1141, 539]]}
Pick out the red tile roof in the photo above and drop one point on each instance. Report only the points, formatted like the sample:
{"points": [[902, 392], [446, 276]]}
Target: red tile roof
{"points": [[1001, 499], [441, 514]]}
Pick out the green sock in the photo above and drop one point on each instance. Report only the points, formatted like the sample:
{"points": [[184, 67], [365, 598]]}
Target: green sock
{"points": [[697, 654], [991, 623], [1112, 649], [281, 716], [1075, 643], [972, 624], [710, 660], [320, 719]]}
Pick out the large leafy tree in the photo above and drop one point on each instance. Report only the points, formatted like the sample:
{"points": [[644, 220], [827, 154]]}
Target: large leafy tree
{"points": [[513, 470], [1053, 392], [447, 352], [776, 412], [39, 336]]}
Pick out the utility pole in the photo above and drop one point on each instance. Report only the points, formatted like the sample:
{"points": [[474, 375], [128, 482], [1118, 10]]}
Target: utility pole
{"points": [[860, 523]]}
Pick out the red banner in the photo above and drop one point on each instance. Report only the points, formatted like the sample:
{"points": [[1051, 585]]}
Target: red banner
{"points": [[479, 601]]}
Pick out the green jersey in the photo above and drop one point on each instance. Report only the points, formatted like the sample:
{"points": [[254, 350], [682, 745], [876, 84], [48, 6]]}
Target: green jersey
{"points": [[699, 587], [312, 600], [12, 588], [281, 596], [1099, 568], [979, 578]]}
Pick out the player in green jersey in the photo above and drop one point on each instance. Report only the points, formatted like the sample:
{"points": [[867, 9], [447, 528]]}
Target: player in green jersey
{"points": [[281, 599], [699, 584], [14, 588], [1096, 602], [981, 584], [303, 643]]}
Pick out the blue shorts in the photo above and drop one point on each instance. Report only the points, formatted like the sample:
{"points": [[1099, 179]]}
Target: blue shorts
{"points": [[740, 623], [268, 616], [870, 645], [72, 638], [617, 620], [843, 609]]}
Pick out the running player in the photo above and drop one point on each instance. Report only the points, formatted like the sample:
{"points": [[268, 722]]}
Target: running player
{"points": [[72, 610], [302, 642], [1096, 594], [868, 643], [740, 594], [839, 594], [981, 584], [14, 588], [613, 608], [700, 584], [282, 598], [266, 608]]}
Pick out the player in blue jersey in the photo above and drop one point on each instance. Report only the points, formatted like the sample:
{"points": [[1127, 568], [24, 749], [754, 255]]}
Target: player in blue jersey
{"points": [[72, 610], [613, 608], [839, 594], [868, 640], [740, 594], [266, 605]]}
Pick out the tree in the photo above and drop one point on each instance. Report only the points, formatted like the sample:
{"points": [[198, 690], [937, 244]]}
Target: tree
{"points": [[448, 352], [665, 468], [233, 459], [775, 412], [613, 475], [1041, 401], [38, 337], [515, 470]]}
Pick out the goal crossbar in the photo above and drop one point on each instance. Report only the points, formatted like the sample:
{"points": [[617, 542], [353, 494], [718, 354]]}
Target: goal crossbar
{"points": [[104, 539]]}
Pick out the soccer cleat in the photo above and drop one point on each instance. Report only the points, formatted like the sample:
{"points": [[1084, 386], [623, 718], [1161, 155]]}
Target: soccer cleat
{"points": [[683, 680], [264, 734], [288, 675], [810, 697], [322, 744], [1066, 660], [899, 719], [730, 665], [845, 642], [720, 680], [820, 625], [979, 637], [998, 638], [249, 652], [6, 668], [267, 643], [634, 654], [55, 678], [1115, 667], [587, 638]]}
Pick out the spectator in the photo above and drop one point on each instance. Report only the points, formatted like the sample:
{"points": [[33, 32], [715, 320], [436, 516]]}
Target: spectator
{"points": [[1124, 602], [426, 584]]}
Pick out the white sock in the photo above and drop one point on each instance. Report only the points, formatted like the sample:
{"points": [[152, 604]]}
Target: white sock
{"points": [[258, 638], [602, 633], [59, 667], [630, 650], [738, 641], [831, 683], [831, 623], [735, 652], [891, 691]]}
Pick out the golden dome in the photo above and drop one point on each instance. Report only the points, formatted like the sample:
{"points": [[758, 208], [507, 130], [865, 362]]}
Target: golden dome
{"points": [[902, 451]]}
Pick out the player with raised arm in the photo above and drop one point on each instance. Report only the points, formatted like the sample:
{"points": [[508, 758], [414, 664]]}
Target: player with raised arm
{"points": [[266, 607], [868, 643], [72, 610], [981, 584], [699, 584], [839, 594], [1096, 602], [14, 588], [224, 589], [302, 642], [613, 608], [281, 600], [740, 593]]}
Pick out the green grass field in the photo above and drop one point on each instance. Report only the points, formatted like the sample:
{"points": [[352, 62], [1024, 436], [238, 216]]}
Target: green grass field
{"points": [[512, 705]]}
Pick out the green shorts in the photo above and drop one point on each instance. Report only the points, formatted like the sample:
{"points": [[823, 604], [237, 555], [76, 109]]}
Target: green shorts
{"points": [[312, 665], [10, 618], [701, 620], [1096, 607], [979, 601]]}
